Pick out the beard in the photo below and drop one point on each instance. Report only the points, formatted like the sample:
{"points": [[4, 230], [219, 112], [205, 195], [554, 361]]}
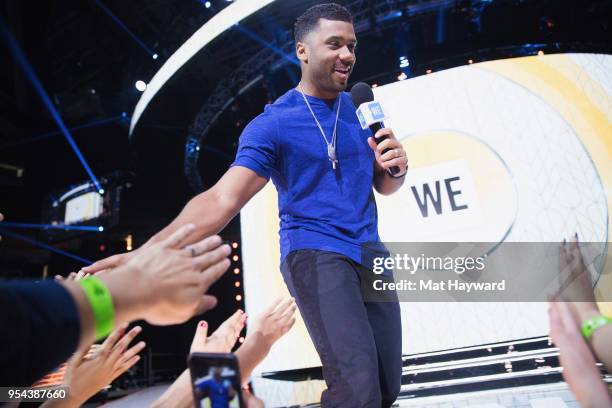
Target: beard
{"points": [[327, 80]]}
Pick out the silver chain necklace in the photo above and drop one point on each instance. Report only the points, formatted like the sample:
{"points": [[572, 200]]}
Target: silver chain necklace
{"points": [[331, 146]]}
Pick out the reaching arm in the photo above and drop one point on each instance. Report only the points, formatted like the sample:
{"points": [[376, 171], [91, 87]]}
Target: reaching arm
{"points": [[209, 211]]}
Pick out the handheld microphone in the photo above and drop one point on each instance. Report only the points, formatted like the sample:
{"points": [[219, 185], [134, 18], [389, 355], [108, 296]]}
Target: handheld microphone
{"points": [[370, 114]]}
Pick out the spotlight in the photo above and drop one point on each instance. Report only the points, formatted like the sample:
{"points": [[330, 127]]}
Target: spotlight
{"points": [[100, 229], [141, 85], [428, 71], [207, 4], [540, 53], [101, 191], [155, 56], [402, 76], [470, 61]]}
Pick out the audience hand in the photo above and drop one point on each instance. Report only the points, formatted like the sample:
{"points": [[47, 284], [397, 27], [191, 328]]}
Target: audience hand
{"points": [[579, 369], [223, 339], [166, 283], [85, 376], [72, 277], [273, 322], [575, 284]]}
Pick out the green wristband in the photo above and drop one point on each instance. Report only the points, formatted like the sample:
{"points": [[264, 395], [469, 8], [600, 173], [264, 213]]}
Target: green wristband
{"points": [[101, 302], [590, 325]]}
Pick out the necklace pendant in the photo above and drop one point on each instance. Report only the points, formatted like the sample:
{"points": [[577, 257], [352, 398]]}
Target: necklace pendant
{"points": [[331, 154]]}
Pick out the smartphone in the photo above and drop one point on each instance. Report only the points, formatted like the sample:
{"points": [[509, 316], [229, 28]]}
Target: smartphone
{"points": [[215, 380]]}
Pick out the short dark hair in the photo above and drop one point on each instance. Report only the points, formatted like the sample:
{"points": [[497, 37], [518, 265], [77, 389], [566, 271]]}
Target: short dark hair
{"points": [[310, 18]]}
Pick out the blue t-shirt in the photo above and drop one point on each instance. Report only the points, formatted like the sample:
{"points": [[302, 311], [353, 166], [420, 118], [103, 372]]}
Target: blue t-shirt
{"points": [[319, 208], [216, 392]]}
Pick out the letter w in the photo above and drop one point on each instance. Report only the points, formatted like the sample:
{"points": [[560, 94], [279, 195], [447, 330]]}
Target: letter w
{"points": [[437, 201]]}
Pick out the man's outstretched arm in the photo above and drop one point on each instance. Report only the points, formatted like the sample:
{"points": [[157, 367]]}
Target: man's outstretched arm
{"points": [[209, 211]]}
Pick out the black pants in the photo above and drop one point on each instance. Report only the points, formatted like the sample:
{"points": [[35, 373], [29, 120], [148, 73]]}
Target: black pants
{"points": [[360, 344]]}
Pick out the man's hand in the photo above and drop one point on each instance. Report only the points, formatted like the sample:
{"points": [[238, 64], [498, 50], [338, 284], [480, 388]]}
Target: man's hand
{"points": [[394, 157], [167, 282]]}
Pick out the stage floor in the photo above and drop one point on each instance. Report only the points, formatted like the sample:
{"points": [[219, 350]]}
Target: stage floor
{"points": [[540, 396]]}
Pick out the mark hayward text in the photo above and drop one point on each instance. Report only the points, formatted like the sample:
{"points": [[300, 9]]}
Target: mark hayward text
{"points": [[438, 286]]}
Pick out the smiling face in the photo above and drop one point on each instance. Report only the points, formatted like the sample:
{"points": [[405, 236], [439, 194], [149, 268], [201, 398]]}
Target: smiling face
{"points": [[327, 57]]}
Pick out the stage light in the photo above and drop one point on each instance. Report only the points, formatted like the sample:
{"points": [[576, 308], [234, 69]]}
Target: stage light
{"points": [[428, 71], [374, 85], [101, 191], [540, 53], [207, 4], [470, 61], [238, 298], [236, 271], [140, 85], [403, 62], [402, 76], [100, 228], [241, 339], [234, 245], [92, 91], [128, 242], [155, 56], [237, 284], [235, 258]]}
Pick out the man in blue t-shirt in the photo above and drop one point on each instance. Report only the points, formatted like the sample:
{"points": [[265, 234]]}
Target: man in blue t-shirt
{"points": [[323, 166], [219, 391]]}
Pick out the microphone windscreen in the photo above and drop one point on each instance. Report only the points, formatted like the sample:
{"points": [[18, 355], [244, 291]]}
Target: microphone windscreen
{"points": [[361, 93]]}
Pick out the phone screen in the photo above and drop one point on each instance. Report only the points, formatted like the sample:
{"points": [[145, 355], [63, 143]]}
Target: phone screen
{"points": [[215, 380]]}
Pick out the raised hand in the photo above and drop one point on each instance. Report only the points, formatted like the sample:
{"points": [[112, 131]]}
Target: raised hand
{"points": [[167, 282], [579, 369], [223, 339], [85, 376], [273, 322]]}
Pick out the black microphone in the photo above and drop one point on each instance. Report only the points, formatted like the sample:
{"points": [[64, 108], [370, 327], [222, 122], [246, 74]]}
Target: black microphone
{"points": [[362, 94]]}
